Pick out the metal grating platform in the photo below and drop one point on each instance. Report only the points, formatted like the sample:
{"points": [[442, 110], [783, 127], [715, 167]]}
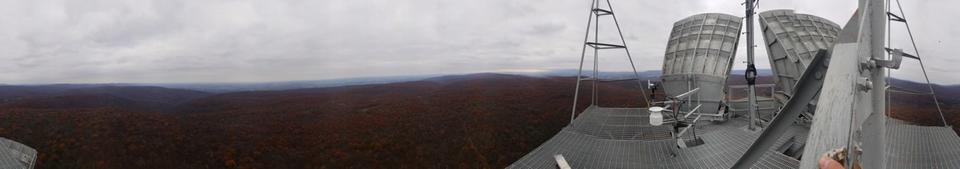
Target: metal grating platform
{"points": [[906, 145], [594, 140], [14, 155], [620, 124]]}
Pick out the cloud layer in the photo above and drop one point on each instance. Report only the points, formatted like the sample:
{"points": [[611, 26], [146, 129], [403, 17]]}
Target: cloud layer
{"points": [[104, 41]]}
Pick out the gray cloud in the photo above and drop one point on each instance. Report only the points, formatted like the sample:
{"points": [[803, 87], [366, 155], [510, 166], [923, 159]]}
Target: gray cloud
{"points": [[96, 41]]}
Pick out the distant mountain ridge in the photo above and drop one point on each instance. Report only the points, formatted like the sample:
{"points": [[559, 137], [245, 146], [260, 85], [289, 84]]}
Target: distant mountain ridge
{"points": [[87, 96], [287, 85]]}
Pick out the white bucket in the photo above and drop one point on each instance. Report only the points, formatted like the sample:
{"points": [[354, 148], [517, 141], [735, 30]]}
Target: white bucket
{"points": [[656, 116]]}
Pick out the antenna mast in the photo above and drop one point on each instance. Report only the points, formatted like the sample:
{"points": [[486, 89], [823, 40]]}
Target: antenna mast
{"points": [[751, 72], [598, 11]]}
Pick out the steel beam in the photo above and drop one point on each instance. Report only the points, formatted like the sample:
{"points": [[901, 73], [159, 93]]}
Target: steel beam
{"points": [[807, 89]]}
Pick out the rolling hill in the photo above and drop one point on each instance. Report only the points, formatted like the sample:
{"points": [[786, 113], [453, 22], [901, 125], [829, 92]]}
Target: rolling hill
{"points": [[464, 121], [468, 121]]}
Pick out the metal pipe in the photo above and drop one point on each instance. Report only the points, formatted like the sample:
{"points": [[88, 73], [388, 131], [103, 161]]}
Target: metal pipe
{"points": [[692, 110], [596, 56], [713, 115], [687, 94], [751, 73], [586, 36], [924, 69], [692, 124], [624, 42]]}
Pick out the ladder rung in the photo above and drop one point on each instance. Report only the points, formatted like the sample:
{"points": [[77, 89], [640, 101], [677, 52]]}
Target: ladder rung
{"points": [[604, 45], [587, 79], [894, 17], [601, 12], [905, 91], [619, 80], [904, 54]]}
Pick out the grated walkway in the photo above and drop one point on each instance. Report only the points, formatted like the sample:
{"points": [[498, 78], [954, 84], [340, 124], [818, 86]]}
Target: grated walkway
{"points": [[596, 140]]}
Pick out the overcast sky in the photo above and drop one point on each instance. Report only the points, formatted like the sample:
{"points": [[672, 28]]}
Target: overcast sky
{"points": [[142, 41]]}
